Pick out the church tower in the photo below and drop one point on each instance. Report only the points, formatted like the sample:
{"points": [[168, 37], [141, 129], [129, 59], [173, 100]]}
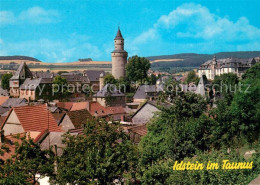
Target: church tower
{"points": [[119, 56]]}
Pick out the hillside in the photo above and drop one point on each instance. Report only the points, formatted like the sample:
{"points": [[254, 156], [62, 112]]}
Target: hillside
{"points": [[17, 58], [195, 60]]}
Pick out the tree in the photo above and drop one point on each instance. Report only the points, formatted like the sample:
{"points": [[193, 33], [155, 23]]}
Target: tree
{"points": [[245, 107], [28, 161], [192, 77], [171, 129], [137, 68], [5, 80], [109, 78], [226, 85], [153, 79], [60, 87], [100, 155], [60, 72]]}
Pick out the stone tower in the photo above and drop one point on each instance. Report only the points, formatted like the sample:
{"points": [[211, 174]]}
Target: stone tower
{"points": [[119, 56]]}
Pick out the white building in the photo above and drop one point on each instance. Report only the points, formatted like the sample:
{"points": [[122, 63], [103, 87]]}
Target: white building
{"points": [[214, 67]]}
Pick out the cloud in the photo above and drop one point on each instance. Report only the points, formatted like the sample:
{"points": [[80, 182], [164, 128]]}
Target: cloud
{"points": [[71, 49], [39, 15], [194, 26], [6, 17], [34, 15]]}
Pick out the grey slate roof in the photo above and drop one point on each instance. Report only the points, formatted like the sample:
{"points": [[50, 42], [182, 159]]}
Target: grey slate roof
{"points": [[17, 74], [31, 84], [3, 110], [109, 90], [76, 78], [42, 74], [93, 75], [229, 62], [143, 89], [14, 102], [119, 35], [3, 92]]}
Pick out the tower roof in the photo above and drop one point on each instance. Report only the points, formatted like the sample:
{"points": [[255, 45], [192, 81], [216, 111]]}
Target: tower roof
{"points": [[119, 34]]}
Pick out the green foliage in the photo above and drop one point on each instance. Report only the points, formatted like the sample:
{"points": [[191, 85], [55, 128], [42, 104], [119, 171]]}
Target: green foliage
{"points": [[153, 79], [192, 77], [137, 68], [60, 72], [27, 161], [245, 107], [109, 78], [227, 85], [158, 173], [100, 155], [237, 115], [5, 80], [169, 133], [253, 72], [60, 87]]}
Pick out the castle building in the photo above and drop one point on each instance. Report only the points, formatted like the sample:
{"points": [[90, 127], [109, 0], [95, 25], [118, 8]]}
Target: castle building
{"points": [[214, 67], [119, 57]]}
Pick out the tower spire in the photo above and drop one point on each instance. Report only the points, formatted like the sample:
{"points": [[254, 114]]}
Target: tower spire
{"points": [[119, 34]]}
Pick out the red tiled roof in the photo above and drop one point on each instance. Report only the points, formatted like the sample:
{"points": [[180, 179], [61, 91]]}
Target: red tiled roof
{"points": [[35, 118], [79, 118], [140, 129], [79, 106], [98, 110], [3, 99], [65, 105], [40, 136]]}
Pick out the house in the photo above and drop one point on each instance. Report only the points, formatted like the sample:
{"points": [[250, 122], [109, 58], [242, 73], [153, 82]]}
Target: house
{"points": [[32, 86], [18, 78], [214, 67], [33, 120], [136, 132], [14, 102], [80, 106], [93, 77], [76, 82], [110, 95], [116, 113], [43, 75], [11, 102], [145, 113], [3, 92], [65, 105], [29, 87], [48, 139], [75, 119], [148, 92]]}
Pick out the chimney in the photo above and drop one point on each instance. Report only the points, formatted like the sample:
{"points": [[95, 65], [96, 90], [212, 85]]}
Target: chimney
{"points": [[88, 106], [2, 135], [101, 81]]}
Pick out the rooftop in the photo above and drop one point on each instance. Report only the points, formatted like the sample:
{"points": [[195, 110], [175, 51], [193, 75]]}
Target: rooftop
{"points": [[35, 118]]}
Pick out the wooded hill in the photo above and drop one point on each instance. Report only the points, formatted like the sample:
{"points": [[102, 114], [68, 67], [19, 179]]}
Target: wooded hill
{"points": [[195, 60]]}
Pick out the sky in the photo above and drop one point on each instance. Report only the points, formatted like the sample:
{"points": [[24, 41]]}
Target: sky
{"points": [[66, 30]]}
